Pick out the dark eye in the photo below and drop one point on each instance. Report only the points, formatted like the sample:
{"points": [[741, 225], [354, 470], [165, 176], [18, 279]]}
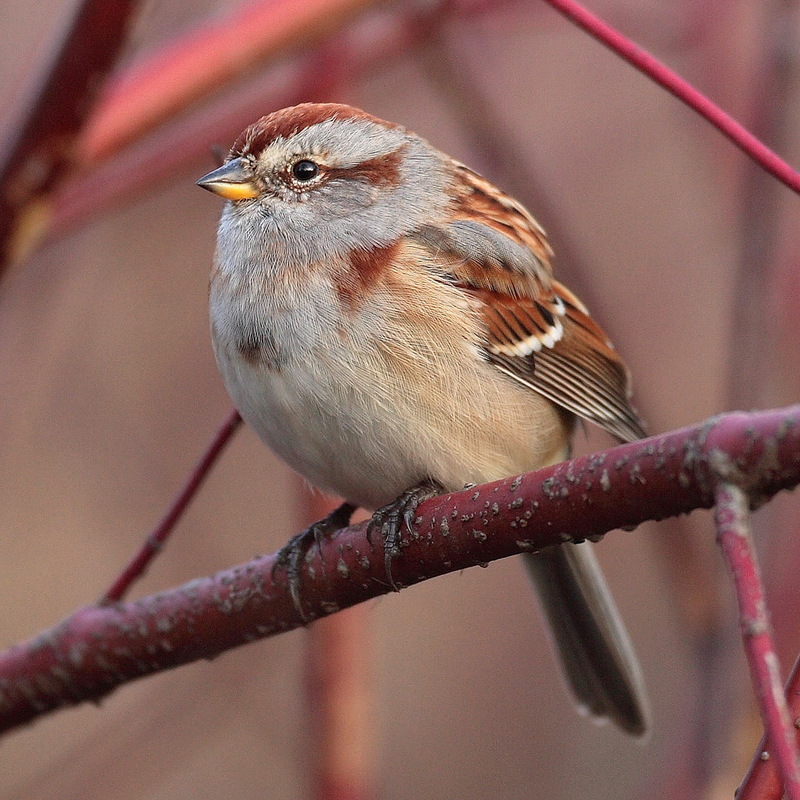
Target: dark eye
{"points": [[304, 170]]}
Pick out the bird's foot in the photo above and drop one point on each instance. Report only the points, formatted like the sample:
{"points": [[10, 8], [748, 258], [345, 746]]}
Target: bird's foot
{"points": [[389, 521], [290, 556]]}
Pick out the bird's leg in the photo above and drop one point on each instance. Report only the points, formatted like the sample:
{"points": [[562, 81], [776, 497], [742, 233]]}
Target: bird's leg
{"points": [[290, 556], [390, 519]]}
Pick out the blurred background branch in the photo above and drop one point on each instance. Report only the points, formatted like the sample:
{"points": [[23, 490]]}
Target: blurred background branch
{"points": [[40, 135]]}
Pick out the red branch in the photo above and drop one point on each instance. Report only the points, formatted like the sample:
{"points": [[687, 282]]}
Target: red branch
{"points": [[96, 649], [763, 781], [677, 86], [152, 160], [733, 530]]}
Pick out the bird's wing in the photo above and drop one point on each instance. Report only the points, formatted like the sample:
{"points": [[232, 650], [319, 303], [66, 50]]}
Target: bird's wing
{"points": [[536, 331]]}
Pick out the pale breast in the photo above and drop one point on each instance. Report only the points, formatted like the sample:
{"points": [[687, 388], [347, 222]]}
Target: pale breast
{"points": [[383, 400]]}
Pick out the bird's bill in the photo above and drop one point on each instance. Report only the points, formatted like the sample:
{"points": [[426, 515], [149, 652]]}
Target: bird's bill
{"points": [[231, 181]]}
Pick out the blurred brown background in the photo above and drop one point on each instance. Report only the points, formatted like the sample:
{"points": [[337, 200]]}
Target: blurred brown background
{"points": [[110, 392]]}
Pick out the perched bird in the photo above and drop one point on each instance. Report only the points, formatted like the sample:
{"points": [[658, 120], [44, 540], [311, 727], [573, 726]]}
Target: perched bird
{"points": [[388, 322]]}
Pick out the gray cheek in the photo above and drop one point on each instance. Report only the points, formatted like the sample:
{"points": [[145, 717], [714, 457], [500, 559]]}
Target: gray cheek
{"points": [[351, 215], [341, 200], [329, 223], [348, 214]]}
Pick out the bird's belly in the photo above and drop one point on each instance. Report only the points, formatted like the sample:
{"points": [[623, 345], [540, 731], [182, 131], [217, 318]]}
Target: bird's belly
{"points": [[369, 434], [327, 435]]}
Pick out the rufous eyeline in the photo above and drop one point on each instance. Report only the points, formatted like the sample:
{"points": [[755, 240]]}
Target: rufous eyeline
{"points": [[388, 322]]}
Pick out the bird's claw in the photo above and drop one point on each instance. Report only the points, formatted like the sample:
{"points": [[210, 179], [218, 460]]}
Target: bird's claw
{"points": [[390, 519], [290, 556]]}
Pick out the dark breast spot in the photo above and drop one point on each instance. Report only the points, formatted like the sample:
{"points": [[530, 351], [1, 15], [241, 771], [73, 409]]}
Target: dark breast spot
{"points": [[258, 350], [250, 351]]}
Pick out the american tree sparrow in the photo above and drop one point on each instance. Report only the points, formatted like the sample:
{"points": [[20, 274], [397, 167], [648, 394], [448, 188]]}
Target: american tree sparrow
{"points": [[388, 322]]}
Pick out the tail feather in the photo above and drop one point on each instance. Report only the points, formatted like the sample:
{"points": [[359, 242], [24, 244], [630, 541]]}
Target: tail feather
{"points": [[596, 653]]}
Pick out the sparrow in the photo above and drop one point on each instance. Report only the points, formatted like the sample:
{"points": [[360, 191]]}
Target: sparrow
{"points": [[388, 322]]}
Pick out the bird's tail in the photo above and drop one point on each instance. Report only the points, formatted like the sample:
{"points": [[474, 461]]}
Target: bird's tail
{"points": [[596, 653]]}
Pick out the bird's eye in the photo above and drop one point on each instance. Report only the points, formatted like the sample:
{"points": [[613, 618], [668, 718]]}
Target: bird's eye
{"points": [[305, 170]]}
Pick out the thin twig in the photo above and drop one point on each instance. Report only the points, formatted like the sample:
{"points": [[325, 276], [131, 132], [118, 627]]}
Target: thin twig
{"points": [[136, 169], [677, 86], [749, 371], [733, 532], [763, 781], [157, 538]]}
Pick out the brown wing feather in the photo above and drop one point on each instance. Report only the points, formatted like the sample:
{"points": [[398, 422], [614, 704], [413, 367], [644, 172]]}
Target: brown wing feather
{"points": [[537, 331], [483, 201]]}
